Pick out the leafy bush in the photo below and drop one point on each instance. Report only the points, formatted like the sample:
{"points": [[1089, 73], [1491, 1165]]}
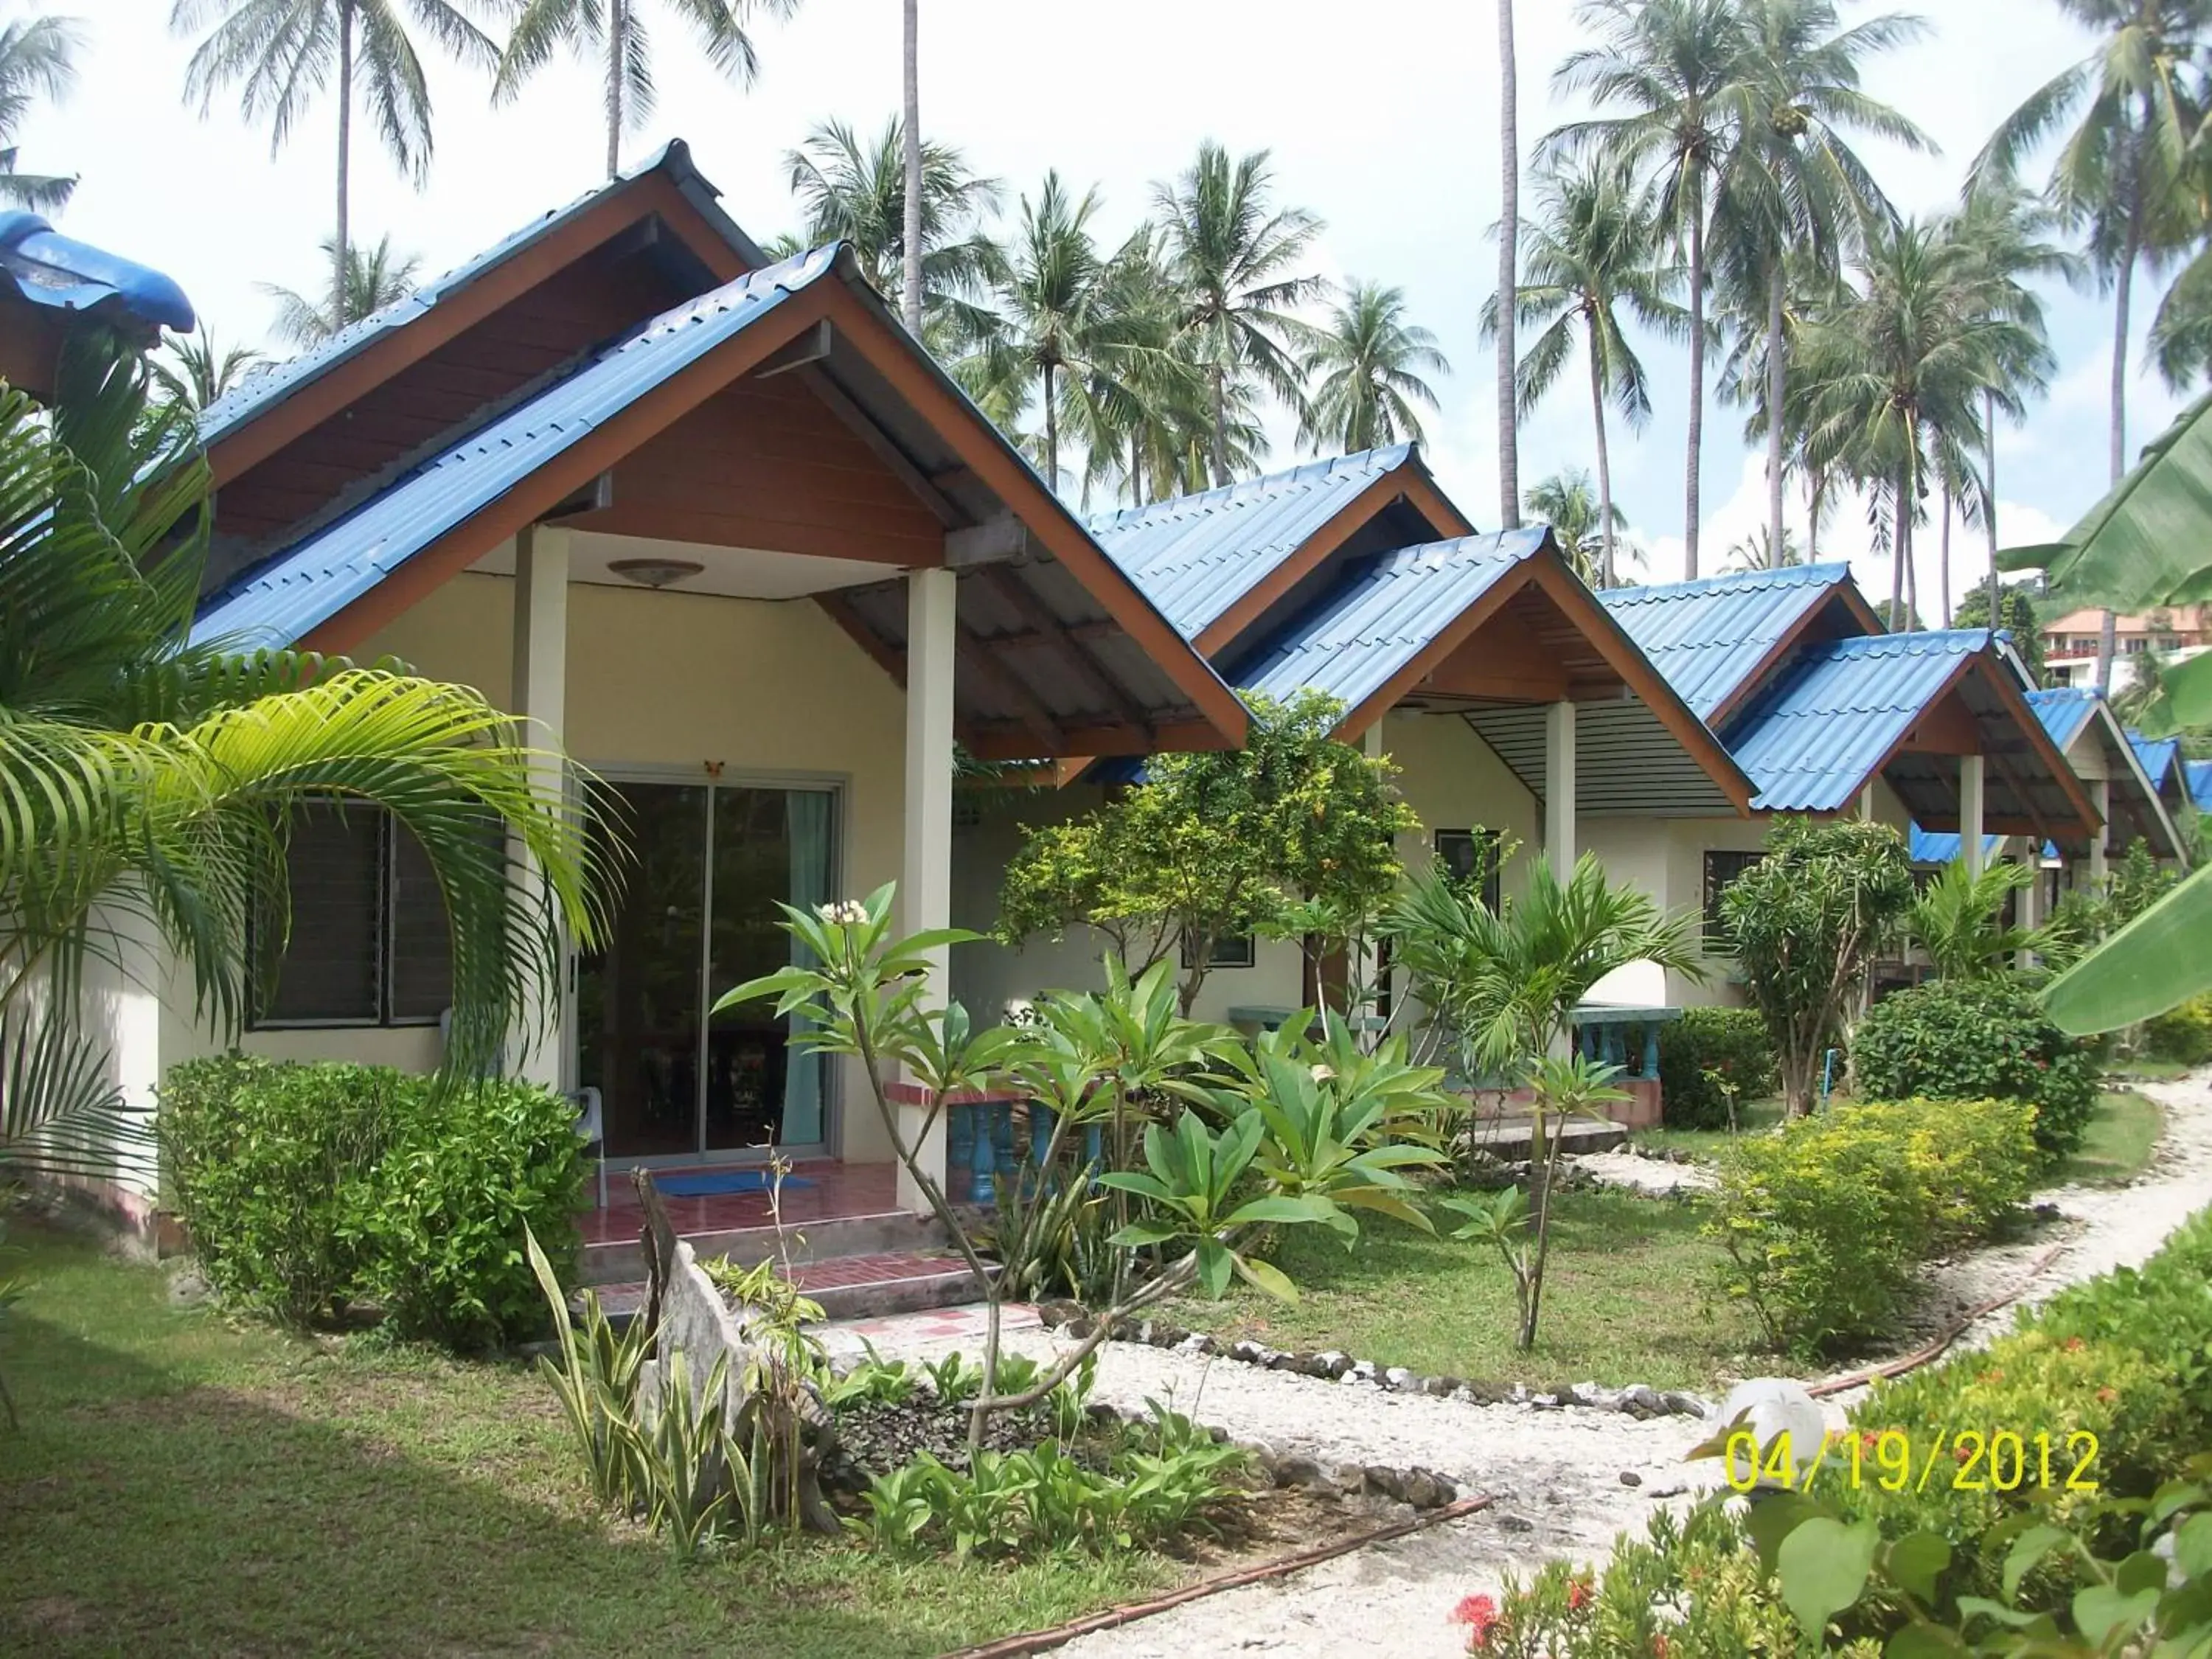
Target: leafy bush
{"points": [[1824, 1221], [2182, 1035], [307, 1187], [1977, 1040], [1732, 1041]]}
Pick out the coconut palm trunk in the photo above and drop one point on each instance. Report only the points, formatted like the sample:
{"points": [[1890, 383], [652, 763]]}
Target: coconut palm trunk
{"points": [[1220, 377], [1697, 379], [1776, 372], [2123, 291], [910, 300], [1990, 499], [1943, 560], [1900, 546], [339, 241], [1509, 248], [617, 28], [1605, 569], [1051, 429]]}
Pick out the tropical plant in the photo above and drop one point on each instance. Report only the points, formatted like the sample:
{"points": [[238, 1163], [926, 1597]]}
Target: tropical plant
{"points": [[2120, 176], [147, 778], [1364, 365], [1760, 552], [283, 53], [38, 58], [1805, 924], [196, 372], [1592, 249], [1500, 989], [1574, 512], [1959, 921], [615, 30], [853, 190], [1234, 257], [375, 278], [1676, 70]]}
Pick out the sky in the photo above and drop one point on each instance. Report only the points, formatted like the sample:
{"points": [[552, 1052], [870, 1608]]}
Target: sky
{"points": [[1382, 120]]}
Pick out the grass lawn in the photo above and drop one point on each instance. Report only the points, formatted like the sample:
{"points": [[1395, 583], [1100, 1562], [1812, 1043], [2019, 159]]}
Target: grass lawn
{"points": [[1624, 1300], [2119, 1141], [181, 1486], [1707, 1143], [2152, 1070]]}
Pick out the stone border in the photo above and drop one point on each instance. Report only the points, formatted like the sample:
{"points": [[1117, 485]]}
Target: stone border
{"points": [[1638, 1399], [1420, 1488]]}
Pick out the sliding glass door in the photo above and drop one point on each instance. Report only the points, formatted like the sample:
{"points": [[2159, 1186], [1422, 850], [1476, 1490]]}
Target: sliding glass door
{"points": [[697, 915]]}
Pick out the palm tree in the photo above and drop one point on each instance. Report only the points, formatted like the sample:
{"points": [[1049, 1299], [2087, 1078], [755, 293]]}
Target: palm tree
{"points": [[1367, 361], [38, 58], [1591, 248], [1760, 552], [1959, 921], [1676, 67], [855, 190], [613, 29], [913, 178], [2120, 174], [375, 278], [1582, 524], [1158, 441], [1235, 259], [149, 776], [1797, 191], [1509, 254], [198, 373], [283, 52]]}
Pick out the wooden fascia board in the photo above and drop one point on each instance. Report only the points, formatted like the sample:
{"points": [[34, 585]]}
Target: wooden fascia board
{"points": [[983, 450], [1405, 482], [540, 491], [1845, 593], [329, 392]]}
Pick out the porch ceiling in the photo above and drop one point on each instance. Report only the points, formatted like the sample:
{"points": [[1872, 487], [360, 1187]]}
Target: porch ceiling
{"points": [[2027, 787], [736, 573]]}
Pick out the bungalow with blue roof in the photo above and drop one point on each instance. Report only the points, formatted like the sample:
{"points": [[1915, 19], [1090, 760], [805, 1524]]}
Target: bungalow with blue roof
{"points": [[719, 526]]}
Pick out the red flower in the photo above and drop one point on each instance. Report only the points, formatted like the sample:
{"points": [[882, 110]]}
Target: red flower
{"points": [[2108, 1395], [1658, 1646], [2074, 1345], [1478, 1614], [1579, 1592]]}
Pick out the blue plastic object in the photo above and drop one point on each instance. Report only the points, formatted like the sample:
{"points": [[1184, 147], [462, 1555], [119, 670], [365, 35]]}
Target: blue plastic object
{"points": [[49, 269]]}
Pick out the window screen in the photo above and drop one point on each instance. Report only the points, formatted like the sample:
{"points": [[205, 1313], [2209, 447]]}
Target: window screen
{"points": [[1468, 853], [421, 950], [1721, 871], [332, 968]]}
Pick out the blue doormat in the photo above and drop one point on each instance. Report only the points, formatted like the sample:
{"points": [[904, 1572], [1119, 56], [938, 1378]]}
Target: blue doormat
{"points": [[715, 1182]]}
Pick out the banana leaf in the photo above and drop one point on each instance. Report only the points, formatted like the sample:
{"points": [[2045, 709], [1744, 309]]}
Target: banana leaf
{"points": [[2155, 963]]}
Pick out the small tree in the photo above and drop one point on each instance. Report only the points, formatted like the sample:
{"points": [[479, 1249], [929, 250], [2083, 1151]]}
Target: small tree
{"points": [[1214, 847], [1959, 921], [1806, 923]]}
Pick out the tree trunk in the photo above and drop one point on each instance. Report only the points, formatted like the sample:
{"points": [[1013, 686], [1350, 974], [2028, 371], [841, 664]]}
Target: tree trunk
{"points": [[1900, 547], [1989, 502], [1509, 268], [2108, 625], [1697, 380], [617, 29], [1943, 556], [1605, 570], [1136, 471], [1051, 433], [910, 309], [1776, 382], [1816, 501], [342, 243], [1220, 423]]}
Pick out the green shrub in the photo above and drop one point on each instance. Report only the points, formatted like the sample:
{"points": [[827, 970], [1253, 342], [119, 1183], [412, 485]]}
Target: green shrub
{"points": [[1977, 1040], [2182, 1035], [307, 1187], [1975, 1160], [1732, 1041]]}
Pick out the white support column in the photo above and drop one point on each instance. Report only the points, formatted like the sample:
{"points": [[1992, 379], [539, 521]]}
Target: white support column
{"points": [[1366, 964], [1972, 795], [2031, 896], [2100, 795], [925, 899], [539, 1052], [1559, 788]]}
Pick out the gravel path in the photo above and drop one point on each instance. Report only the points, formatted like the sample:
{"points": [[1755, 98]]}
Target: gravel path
{"points": [[1557, 1473]]}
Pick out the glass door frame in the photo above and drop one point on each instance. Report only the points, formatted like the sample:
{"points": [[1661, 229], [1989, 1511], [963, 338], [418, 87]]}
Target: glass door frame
{"points": [[710, 777]]}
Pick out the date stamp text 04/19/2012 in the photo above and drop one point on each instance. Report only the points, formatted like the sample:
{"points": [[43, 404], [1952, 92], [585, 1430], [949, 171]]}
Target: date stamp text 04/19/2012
{"points": [[1961, 1460]]}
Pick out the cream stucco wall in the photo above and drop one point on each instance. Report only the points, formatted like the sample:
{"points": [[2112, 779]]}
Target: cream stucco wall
{"points": [[663, 680]]}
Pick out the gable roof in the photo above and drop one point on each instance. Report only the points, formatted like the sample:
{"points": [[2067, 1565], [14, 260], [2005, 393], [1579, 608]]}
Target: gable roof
{"points": [[2064, 710], [2156, 756], [43, 267], [1714, 637], [1198, 556], [2132, 794]]}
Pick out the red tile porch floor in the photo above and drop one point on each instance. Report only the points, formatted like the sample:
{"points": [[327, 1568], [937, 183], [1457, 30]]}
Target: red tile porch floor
{"points": [[835, 1192]]}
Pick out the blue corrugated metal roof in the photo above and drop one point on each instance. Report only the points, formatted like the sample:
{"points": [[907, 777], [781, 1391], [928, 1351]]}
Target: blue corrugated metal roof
{"points": [[2064, 710], [1353, 643], [48, 269], [2157, 756], [1196, 555], [1810, 744], [2199, 776], [270, 386], [1942, 846], [283, 599], [1707, 636]]}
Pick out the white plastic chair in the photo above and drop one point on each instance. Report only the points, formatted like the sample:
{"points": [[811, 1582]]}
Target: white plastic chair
{"points": [[592, 1130]]}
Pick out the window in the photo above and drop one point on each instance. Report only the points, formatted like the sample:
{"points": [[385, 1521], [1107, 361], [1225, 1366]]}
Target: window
{"points": [[1469, 855], [1237, 950], [1721, 871], [369, 944]]}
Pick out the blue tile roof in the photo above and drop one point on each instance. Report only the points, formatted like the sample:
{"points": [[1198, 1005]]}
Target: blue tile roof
{"points": [[2199, 776], [1811, 742], [2064, 710], [280, 602], [49, 269], [2156, 755], [1708, 637], [1195, 556], [1372, 626], [259, 391]]}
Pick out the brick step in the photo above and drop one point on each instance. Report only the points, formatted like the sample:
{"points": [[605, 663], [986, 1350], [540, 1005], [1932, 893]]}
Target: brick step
{"points": [[616, 1261], [871, 1286]]}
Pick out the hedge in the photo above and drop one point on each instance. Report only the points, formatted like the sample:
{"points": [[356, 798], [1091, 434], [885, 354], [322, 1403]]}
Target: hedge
{"points": [[1732, 1041]]}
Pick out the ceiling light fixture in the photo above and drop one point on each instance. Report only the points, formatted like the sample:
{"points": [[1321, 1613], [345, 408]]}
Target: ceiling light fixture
{"points": [[655, 573]]}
